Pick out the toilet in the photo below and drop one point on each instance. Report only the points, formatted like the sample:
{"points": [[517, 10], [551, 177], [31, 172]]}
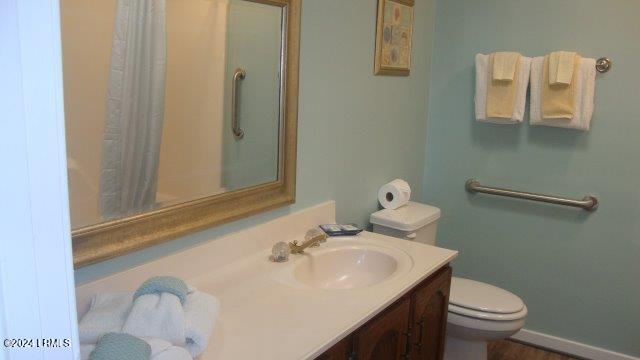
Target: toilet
{"points": [[478, 312]]}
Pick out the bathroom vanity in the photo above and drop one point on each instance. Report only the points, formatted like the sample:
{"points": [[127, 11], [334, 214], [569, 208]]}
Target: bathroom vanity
{"points": [[411, 328], [365, 297]]}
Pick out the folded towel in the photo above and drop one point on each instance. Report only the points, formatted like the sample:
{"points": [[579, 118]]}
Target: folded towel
{"points": [[583, 101], [482, 82], [561, 66], [113, 346], [163, 284], [504, 65], [107, 313], [158, 316], [160, 350], [200, 314], [557, 100]]}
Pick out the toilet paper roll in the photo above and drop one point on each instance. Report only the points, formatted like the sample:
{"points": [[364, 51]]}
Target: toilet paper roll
{"points": [[394, 194]]}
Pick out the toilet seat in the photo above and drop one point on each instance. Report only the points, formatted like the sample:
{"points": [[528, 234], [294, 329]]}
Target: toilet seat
{"points": [[487, 315], [483, 301]]}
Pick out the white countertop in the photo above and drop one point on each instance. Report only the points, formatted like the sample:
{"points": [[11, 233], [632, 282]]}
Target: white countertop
{"points": [[263, 315], [265, 318]]}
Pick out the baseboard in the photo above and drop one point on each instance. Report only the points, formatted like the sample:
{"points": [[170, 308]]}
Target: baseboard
{"points": [[568, 347]]}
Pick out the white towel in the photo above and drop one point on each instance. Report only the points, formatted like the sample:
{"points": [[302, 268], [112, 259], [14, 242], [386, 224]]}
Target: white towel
{"points": [[110, 312], [157, 316], [200, 313], [482, 77], [107, 313], [160, 350], [583, 102]]}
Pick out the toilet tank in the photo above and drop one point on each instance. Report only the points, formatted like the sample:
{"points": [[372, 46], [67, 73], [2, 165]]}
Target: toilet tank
{"points": [[413, 221]]}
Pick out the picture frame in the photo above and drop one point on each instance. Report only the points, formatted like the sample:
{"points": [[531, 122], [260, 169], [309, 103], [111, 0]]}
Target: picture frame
{"points": [[394, 31]]}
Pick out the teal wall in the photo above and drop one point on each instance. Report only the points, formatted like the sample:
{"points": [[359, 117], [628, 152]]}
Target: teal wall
{"points": [[356, 131], [577, 272]]}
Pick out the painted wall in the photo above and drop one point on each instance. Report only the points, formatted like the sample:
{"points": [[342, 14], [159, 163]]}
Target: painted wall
{"points": [[356, 131], [576, 271]]}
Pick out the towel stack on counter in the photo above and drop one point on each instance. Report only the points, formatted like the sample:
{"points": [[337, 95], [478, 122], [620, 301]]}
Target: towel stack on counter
{"points": [[562, 89], [163, 320]]}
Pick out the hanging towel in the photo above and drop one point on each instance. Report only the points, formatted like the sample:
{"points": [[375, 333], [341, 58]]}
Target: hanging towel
{"points": [[557, 100], [504, 66], [561, 66], [583, 100], [482, 82], [501, 95]]}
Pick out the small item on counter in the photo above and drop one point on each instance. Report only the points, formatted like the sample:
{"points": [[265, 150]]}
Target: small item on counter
{"points": [[340, 229]]}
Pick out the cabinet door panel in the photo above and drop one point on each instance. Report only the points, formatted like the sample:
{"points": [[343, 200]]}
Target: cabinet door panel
{"points": [[430, 308], [385, 337], [339, 351]]}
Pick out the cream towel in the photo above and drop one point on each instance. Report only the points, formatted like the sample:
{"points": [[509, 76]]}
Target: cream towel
{"points": [[561, 65], [501, 95], [482, 82], [504, 65], [583, 101], [557, 100]]}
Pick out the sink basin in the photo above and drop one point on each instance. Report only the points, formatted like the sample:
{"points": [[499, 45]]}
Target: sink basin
{"points": [[347, 264]]}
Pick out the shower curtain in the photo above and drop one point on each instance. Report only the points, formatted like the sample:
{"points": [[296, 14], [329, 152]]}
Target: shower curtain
{"points": [[135, 109]]}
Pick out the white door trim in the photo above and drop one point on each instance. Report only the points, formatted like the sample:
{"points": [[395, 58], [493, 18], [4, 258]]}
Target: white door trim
{"points": [[38, 294]]}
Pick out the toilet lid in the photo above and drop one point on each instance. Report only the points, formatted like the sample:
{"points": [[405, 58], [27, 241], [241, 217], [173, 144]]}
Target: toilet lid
{"points": [[479, 296]]}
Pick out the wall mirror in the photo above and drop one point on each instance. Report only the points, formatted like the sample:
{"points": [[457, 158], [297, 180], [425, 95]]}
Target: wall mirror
{"points": [[180, 115]]}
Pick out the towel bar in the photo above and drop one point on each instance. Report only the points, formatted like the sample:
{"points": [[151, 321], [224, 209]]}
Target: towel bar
{"points": [[588, 203]]}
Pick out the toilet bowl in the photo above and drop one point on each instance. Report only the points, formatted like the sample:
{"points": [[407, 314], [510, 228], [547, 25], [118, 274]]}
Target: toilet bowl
{"points": [[478, 312]]}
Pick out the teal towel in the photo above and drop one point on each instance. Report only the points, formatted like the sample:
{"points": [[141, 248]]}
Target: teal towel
{"points": [[162, 284], [116, 346]]}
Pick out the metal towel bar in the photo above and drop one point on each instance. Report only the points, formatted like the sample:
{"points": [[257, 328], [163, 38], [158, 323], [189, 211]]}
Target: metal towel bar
{"points": [[588, 203]]}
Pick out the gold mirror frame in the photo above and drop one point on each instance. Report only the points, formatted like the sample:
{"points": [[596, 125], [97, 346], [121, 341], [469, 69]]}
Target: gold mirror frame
{"points": [[99, 242]]}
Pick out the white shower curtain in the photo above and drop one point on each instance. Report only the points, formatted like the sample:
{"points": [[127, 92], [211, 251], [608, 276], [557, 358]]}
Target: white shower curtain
{"points": [[135, 109]]}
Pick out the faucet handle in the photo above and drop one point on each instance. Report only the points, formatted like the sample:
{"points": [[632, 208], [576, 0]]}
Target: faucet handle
{"points": [[280, 252], [314, 233]]}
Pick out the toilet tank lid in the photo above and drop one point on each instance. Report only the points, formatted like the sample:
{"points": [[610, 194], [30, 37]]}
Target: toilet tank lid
{"points": [[409, 217]]}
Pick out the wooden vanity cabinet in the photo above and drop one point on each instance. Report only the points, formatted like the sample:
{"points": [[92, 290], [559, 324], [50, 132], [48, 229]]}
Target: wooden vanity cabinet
{"points": [[412, 328]]}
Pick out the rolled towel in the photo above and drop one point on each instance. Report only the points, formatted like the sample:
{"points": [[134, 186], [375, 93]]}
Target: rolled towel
{"points": [[158, 316], [107, 313], [583, 100], [160, 350], [113, 346], [200, 313], [164, 350], [482, 63], [163, 284]]}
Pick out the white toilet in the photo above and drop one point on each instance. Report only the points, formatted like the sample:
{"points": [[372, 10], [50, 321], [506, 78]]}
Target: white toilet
{"points": [[478, 312]]}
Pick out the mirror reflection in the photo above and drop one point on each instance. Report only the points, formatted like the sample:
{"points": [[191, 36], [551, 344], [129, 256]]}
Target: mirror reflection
{"points": [[168, 101]]}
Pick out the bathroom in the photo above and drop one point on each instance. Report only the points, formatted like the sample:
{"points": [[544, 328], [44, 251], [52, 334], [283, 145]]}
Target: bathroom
{"points": [[575, 270]]}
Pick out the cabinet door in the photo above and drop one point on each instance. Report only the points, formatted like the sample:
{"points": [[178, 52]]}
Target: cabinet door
{"points": [[339, 351], [430, 307], [386, 336]]}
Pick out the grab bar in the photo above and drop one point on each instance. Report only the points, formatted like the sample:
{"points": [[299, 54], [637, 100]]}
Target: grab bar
{"points": [[588, 203], [238, 75]]}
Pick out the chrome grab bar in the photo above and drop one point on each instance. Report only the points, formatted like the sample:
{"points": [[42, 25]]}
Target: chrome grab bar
{"points": [[238, 75], [588, 203]]}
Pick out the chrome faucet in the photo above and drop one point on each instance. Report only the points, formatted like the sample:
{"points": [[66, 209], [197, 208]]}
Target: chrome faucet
{"points": [[313, 238]]}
